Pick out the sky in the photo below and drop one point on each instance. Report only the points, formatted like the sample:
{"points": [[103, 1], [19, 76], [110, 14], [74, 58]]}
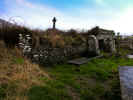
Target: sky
{"points": [[114, 15]]}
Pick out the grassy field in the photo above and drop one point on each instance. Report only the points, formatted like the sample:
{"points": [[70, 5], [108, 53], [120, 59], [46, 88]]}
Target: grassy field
{"points": [[17, 74], [22, 80], [97, 80]]}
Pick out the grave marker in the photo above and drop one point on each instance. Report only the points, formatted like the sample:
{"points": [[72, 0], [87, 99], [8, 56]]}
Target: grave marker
{"points": [[54, 21]]}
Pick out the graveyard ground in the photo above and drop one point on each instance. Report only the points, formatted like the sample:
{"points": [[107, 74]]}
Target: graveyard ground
{"points": [[22, 80]]}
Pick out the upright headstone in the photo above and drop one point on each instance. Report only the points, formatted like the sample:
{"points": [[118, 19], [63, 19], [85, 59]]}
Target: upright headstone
{"points": [[54, 21], [118, 43], [93, 46], [111, 45]]}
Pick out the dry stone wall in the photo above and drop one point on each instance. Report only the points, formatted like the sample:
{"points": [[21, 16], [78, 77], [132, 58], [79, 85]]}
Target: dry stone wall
{"points": [[52, 56], [45, 54]]}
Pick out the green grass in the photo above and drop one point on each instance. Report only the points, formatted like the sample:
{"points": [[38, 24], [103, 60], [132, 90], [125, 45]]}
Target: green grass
{"points": [[18, 60], [96, 80], [48, 92], [2, 91]]}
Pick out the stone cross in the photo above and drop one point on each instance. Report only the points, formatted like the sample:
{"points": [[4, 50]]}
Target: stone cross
{"points": [[54, 21]]}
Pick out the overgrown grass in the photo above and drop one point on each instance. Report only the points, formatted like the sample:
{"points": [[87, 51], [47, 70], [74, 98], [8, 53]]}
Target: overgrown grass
{"points": [[56, 38], [22, 80], [96, 80], [17, 74]]}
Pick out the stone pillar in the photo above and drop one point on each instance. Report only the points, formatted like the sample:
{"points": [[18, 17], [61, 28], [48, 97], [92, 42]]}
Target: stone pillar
{"points": [[131, 44], [118, 43], [112, 46], [93, 45]]}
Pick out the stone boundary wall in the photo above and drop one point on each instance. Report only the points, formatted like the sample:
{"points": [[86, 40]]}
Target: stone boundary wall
{"points": [[48, 55], [126, 44]]}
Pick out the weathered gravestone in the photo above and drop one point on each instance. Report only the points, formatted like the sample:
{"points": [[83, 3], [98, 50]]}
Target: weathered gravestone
{"points": [[93, 46], [126, 82]]}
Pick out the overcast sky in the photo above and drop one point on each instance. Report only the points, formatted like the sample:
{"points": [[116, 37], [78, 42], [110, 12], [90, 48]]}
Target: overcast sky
{"points": [[115, 15]]}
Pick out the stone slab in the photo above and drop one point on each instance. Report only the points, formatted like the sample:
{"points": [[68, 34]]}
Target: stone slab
{"points": [[78, 61], [130, 56], [126, 82], [82, 60]]}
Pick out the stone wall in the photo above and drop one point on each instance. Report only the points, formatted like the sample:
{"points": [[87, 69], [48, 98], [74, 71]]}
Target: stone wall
{"points": [[49, 55], [46, 54], [127, 43]]}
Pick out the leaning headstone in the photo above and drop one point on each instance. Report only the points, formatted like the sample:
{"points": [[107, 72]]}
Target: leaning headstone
{"points": [[93, 45], [126, 82]]}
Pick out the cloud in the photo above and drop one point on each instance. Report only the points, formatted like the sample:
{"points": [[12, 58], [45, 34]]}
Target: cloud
{"points": [[123, 22], [40, 16], [33, 15], [100, 2]]}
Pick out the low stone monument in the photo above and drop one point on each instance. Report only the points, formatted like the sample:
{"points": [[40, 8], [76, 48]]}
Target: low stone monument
{"points": [[106, 39]]}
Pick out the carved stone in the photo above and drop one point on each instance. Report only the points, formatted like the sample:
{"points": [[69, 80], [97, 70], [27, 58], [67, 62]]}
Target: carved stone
{"points": [[93, 46]]}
